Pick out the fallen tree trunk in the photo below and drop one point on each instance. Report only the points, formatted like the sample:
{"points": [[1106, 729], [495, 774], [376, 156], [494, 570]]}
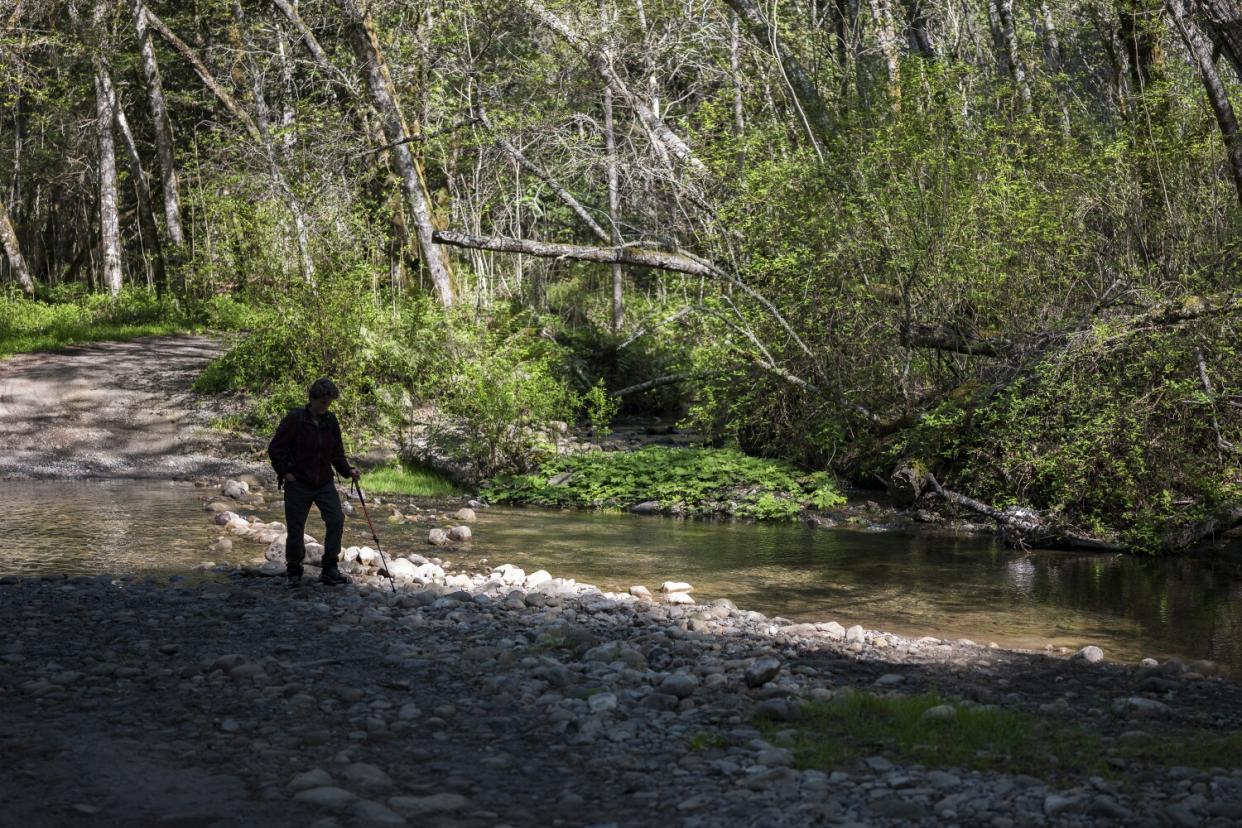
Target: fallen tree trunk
{"points": [[642, 257], [1196, 533], [1167, 313], [1024, 527], [660, 382]]}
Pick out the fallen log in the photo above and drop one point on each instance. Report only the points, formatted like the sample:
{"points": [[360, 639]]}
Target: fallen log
{"points": [[1187, 537], [1024, 527]]}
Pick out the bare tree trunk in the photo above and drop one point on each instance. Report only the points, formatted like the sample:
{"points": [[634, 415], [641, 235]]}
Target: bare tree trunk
{"points": [[308, 37], [1001, 13], [109, 216], [146, 206], [1140, 32], [297, 210], [1055, 58], [163, 128], [811, 107], [206, 76], [260, 136], [370, 60], [288, 137], [13, 251], [1201, 53], [735, 70], [1224, 25], [845, 23], [886, 33], [610, 153], [641, 257], [916, 29]]}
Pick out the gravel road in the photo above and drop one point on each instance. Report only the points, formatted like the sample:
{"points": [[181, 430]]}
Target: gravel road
{"points": [[112, 409]]}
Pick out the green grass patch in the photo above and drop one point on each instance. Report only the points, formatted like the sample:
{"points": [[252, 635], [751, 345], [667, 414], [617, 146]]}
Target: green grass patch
{"points": [[691, 481], [858, 725], [76, 335], [408, 479], [835, 733], [28, 325], [1192, 749], [73, 317]]}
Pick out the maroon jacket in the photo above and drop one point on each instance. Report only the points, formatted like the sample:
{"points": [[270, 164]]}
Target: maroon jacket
{"points": [[307, 450]]}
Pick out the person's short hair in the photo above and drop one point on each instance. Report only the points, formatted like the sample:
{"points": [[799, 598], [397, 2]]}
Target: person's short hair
{"points": [[324, 389]]}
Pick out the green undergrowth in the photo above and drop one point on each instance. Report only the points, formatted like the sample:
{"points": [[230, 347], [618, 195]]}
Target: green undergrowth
{"points": [[408, 479], [684, 481], [28, 325], [835, 733], [70, 316], [1123, 437]]}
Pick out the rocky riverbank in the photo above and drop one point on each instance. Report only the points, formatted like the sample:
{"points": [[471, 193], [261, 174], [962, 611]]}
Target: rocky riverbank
{"points": [[492, 696]]}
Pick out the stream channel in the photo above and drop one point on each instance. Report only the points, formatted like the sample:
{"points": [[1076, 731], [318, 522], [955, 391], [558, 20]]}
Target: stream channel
{"points": [[910, 583]]}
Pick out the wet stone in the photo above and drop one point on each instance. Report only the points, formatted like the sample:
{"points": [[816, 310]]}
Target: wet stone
{"points": [[762, 671], [368, 812], [332, 798]]}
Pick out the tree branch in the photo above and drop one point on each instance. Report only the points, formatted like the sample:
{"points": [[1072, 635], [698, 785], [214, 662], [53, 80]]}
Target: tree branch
{"points": [[228, 101], [641, 257]]}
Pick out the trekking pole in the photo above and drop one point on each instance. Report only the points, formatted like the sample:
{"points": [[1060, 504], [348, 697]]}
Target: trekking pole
{"points": [[358, 487]]}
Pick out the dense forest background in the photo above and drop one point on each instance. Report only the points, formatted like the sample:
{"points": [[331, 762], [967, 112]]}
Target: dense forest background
{"points": [[995, 240]]}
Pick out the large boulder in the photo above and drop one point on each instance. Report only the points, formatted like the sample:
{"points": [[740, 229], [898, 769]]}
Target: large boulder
{"points": [[276, 549], [234, 489], [427, 572], [459, 533], [401, 569], [437, 537], [537, 578], [511, 575]]}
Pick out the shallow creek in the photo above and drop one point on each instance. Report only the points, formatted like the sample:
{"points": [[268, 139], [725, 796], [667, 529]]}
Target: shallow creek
{"points": [[921, 583]]}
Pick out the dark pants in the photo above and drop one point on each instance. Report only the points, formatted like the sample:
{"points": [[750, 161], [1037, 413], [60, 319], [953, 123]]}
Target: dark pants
{"points": [[298, 500]]}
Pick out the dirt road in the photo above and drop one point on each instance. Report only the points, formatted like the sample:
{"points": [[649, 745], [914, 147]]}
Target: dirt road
{"points": [[112, 409]]}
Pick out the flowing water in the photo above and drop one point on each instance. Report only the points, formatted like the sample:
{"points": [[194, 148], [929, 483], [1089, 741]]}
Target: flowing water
{"points": [[922, 583]]}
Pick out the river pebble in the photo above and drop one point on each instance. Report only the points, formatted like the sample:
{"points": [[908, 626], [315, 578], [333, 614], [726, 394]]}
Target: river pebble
{"points": [[493, 696]]}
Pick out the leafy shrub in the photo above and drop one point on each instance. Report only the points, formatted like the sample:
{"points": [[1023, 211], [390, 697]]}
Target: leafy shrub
{"points": [[687, 481], [499, 396], [73, 316], [1116, 435]]}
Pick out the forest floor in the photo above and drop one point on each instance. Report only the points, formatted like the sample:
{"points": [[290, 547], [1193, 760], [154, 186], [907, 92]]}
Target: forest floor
{"points": [[491, 697]]}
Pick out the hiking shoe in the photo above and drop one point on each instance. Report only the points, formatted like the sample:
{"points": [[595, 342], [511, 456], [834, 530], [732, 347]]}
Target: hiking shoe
{"points": [[332, 577], [295, 581]]}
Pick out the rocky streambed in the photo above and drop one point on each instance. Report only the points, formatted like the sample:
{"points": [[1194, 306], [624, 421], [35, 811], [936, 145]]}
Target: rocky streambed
{"points": [[492, 696]]}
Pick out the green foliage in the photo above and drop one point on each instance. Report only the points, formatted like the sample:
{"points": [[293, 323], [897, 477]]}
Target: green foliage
{"points": [[835, 733], [487, 397], [600, 408], [408, 479], [1115, 435], [73, 316], [498, 406], [684, 481], [307, 332]]}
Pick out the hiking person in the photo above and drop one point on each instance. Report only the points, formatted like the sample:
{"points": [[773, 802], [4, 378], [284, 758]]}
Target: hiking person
{"points": [[306, 447]]}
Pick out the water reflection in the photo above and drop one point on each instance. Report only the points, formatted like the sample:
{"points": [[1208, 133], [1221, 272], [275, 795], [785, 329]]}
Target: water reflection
{"points": [[916, 584], [118, 527], [919, 584]]}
